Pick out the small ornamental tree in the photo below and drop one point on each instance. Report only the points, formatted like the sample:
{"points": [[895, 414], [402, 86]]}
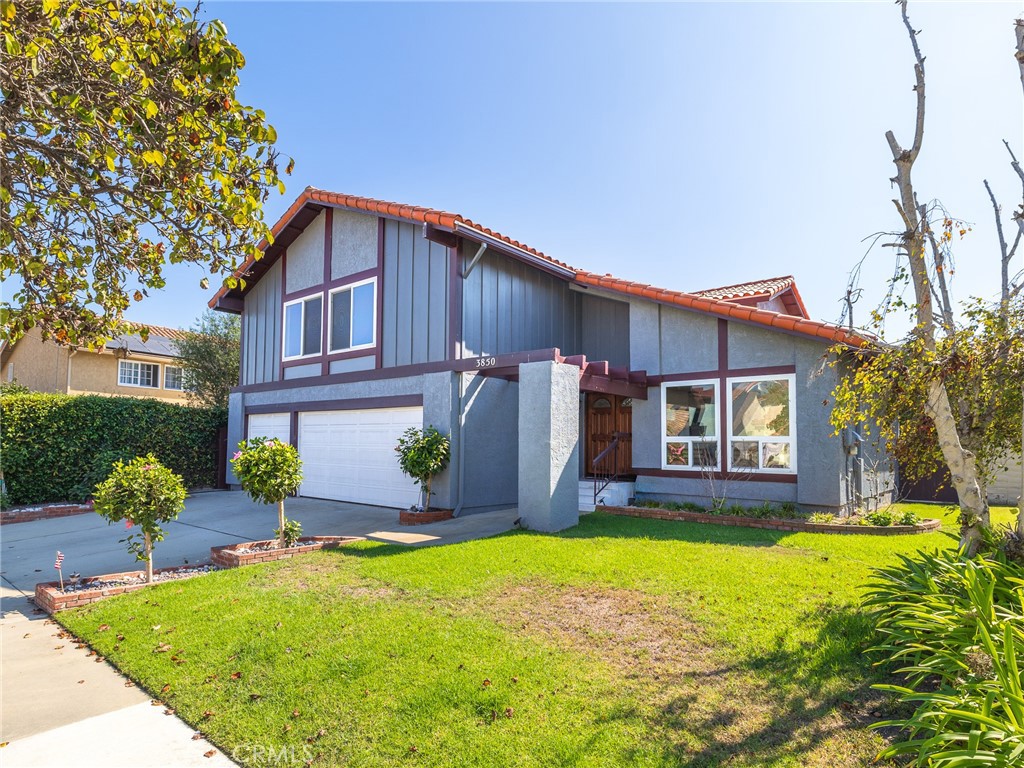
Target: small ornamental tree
{"points": [[423, 454], [144, 493], [268, 471]]}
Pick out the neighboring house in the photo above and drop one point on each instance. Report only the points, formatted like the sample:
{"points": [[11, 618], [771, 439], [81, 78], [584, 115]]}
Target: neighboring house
{"points": [[365, 317], [126, 365]]}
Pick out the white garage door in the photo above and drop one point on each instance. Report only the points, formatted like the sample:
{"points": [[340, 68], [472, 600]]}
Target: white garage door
{"points": [[270, 425], [350, 455]]}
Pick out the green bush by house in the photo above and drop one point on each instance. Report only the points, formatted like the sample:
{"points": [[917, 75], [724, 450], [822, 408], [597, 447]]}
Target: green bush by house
{"points": [[57, 447]]}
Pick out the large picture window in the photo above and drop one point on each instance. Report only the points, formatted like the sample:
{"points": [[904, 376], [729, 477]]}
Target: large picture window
{"points": [[762, 430], [690, 425], [132, 374], [353, 316], [303, 319]]}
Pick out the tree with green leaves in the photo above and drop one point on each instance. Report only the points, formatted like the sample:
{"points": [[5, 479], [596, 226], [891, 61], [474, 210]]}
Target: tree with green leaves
{"points": [[209, 356], [270, 471], [124, 148], [951, 391], [423, 454]]}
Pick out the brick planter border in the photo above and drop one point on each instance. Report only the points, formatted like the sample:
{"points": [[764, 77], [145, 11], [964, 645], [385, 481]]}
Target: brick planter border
{"points": [[43, 512], [406, 517], [228, 555], [49, 597], [654, 513]]}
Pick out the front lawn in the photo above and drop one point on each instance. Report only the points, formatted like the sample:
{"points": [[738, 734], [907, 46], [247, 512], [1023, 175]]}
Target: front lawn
{"points": [[619, 642]]}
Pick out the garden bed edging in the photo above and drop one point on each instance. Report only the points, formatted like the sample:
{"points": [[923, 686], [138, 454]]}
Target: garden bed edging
{"points": [[50, 598], [653, 513], [409, 517], [229, 556], [43, 512]]}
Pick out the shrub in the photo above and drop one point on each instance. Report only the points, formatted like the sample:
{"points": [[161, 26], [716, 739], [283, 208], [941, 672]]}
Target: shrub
{"points": [[882, 517], [52, 444], [906, 517], [689, 506], [737, 510], [269, 471], [291, 533], [955, 629], [423, 454], [143, 493], [821, 517], [763, 511], [789, 509]]}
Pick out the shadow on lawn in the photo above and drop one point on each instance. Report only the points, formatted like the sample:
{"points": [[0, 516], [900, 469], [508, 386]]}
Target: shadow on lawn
{"points": [[811, 704]]}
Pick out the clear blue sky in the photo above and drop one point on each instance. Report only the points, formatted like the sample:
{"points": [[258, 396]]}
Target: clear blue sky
{"points": [[686, 145]]}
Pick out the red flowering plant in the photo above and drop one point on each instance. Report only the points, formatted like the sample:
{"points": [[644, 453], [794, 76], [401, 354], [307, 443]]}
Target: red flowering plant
{"points": [[144, 493]]}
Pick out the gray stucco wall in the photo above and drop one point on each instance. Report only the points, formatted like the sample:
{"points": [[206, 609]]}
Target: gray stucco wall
{"points": [[236, 431], [549, 446], [820, 457], [261, 329], [353, 243], [415, 297], [665, 340], [491, 443], [305, 261]]}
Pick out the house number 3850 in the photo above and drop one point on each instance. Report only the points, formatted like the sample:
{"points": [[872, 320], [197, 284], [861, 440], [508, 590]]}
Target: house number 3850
{"points": [[485, 362]]}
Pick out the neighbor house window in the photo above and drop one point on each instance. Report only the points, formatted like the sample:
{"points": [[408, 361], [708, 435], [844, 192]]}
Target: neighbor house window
{"points": [[303, 319], [132, 374], [690, 425], [353, 314], [761, 427], [173, 377]]}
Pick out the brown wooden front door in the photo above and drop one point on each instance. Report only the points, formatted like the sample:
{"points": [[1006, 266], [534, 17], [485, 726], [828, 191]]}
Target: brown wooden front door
{"points": [[606, 416]]}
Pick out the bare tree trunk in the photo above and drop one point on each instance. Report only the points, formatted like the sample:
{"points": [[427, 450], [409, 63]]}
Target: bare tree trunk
{"points": [[962, 467], [426, 501], [149, 557], [280, 524]]}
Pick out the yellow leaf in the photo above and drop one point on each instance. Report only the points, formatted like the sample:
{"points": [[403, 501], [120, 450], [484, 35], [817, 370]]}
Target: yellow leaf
{"points": [[154, 156]]}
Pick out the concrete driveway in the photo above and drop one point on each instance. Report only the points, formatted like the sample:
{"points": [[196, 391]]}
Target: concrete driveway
{"points": [[60, 707]]}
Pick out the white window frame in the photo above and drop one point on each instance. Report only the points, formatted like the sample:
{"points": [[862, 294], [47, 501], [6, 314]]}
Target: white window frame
{"points": [[181, 377], [303, 300], [121, 364], [330, 316], [691, 439], [790, 439]]}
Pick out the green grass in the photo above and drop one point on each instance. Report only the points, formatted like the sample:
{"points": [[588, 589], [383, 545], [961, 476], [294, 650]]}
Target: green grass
{"points": [[619, 642]]}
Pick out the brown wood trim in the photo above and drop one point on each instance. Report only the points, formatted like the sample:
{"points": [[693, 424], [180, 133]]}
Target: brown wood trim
{"points": [[723, 344], [379, 362], [723, 368], [293, 428], [690, 474], [337, 282], [401, 371], [612, 387], [772, 370], [241, 349], [440, 235], [454, 304], [325, 367], [350, 404], [348, 354], [312, 360], [284, 292]]}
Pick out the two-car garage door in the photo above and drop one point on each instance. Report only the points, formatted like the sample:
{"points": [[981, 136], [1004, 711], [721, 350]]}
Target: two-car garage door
{"points": [[349, 455]]}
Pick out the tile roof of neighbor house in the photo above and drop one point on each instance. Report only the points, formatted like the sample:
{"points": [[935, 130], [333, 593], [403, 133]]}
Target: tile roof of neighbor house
{"points": [[756, 289], [452, 221]]}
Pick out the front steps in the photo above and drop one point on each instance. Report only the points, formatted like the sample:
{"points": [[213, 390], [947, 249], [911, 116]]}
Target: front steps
{"points": [[616, 494]]}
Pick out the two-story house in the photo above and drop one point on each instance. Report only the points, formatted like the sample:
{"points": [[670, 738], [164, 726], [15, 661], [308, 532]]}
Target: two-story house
{"points": [[365, 317]]}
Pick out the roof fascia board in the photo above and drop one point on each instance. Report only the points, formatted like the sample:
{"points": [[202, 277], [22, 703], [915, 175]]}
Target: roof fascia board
{"points": [[510, 250]]}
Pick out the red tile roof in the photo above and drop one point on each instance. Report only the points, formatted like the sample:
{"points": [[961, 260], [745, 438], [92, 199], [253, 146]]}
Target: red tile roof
{"points": [[769, 287], [702, 303]]}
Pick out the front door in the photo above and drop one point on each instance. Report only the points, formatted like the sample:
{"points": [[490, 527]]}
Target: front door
{"points": [[606, 417]]}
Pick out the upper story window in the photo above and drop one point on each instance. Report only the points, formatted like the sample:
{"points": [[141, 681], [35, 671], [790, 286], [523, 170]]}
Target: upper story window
{"points": [[132, 374], [690, 425], [353, 316], [762, 430], [174, 377], [303, 319]]}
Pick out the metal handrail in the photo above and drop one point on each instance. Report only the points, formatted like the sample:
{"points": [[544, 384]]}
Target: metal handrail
{"points": [[602, 481]]}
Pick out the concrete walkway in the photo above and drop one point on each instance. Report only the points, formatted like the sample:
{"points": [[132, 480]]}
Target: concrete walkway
{"points": [[59, 707]]}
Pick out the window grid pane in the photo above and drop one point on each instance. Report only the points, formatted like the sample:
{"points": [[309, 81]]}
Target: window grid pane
{"points": [[293, 330], [362, 314], [690, 411], [311, 322], [760, 408], [172, 377], [341, 320]]}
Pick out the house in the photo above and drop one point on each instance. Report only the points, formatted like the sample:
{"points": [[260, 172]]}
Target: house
{"points": [[366, 317], [126, 365]]}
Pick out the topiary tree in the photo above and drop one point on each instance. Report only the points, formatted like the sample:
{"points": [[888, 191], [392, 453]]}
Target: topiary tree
{"points": [[144, 493], [268, 471], [423, 454]]}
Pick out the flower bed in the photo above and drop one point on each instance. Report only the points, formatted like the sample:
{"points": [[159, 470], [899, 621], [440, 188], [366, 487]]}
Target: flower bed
{"points": [[654, 513], [411, 517], [249, 552], [91, 589], [42, 512]]}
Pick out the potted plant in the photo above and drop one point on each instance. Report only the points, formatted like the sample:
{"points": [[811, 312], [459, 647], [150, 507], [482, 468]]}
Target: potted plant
{"points": [[423, 454], [268, 471], [144, 493]]}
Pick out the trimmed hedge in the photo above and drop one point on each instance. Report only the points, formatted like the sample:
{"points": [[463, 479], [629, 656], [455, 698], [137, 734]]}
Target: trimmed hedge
{"points": [[57, 447]]}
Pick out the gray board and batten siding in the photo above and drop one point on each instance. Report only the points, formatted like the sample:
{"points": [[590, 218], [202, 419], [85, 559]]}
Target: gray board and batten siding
{"points": [[506, 306]]}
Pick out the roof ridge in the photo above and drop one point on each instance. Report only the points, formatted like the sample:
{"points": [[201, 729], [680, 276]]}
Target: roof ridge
{"points": [[781, 278]]}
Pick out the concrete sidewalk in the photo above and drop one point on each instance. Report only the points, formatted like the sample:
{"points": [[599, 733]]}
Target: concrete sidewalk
{"points": [[60, 707]]}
